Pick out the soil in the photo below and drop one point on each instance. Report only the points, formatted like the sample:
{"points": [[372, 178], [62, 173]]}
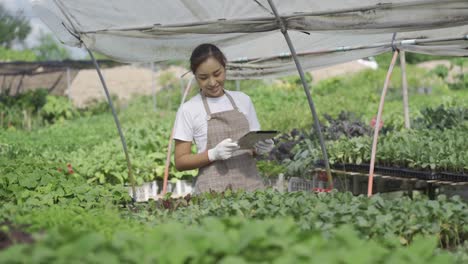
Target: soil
{"points": [[127, 81], [453, 69], [11, 234], [337, 70], [124, 82], [138, 79]]}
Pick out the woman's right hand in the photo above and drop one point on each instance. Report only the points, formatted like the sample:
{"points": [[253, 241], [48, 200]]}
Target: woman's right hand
{"points": [[224, 150]]}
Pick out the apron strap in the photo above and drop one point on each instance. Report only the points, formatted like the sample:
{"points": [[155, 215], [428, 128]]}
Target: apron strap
{"points": [[207, 107], [205, 104], [232, 101]]}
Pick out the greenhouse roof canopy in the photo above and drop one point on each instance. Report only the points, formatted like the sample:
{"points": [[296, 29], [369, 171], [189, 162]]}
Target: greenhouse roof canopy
{"points": [[323, 32], [45, 67]]}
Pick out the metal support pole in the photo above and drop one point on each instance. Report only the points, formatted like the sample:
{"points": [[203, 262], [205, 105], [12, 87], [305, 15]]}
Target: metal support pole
{"points": [[117, 123], [238, 85], [404, 85], [306, 90]]}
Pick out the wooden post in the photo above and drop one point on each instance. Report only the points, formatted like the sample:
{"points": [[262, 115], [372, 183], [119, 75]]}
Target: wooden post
{"points": [[377, 122], [20, 85], [404, 84], [3, 84], [68, 91]]}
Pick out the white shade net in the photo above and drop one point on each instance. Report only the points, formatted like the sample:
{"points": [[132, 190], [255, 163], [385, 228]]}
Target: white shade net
{"points": [[323, 32]]}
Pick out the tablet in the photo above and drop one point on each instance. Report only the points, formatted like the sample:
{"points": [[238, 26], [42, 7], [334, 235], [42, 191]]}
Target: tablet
{"points": [[248, 140]]}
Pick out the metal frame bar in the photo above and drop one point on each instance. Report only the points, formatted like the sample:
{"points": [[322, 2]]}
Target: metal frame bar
{"points": [[306, 90], [117, 123], [243, 62]]}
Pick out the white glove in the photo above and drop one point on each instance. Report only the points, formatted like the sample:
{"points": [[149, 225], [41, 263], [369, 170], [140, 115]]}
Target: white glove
{"points": [[264, 146], [223, 150]]}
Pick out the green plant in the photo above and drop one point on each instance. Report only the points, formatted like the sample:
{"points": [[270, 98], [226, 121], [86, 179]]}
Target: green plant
{"points": [[14, 110], [460, 80], [50, 49], [295, 82], [270, 168], [441, 71], [442, 117], [16, 55], [12, 28], [58, 109]]}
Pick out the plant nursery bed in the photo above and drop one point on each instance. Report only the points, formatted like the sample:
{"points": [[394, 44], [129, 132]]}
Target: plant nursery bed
{"points": [[453, 177], [404, 173]]}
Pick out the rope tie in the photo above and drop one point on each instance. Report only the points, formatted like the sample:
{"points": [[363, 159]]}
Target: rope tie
{"points": [[394, 48]]}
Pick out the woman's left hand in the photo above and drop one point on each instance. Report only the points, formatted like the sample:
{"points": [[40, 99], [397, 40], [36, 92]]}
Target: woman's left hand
{"points": [[264, 146]]}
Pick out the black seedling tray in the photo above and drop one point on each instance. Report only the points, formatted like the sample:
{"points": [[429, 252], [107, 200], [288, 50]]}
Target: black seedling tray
{"points": [[406, 173], [357, 167], [399, 172], [453, 177]]}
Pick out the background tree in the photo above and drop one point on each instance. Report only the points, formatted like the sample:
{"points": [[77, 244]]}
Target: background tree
{"points": [[50, 49], [13, 28]]}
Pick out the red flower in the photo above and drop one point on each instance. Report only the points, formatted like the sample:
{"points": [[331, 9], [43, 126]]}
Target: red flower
{"points": [[374, 120], [320, 190], [70, 169]]}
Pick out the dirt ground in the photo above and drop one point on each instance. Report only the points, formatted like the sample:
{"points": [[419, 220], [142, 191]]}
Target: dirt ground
{"points": [[129, 80], [337, 70], [453, 69], [124, 81]]}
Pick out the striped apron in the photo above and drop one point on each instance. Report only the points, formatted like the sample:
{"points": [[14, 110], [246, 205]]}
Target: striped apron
{"points": [[238, 172]]}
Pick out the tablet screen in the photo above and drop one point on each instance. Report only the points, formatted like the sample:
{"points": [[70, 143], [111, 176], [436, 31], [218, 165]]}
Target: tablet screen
{"points": [[248, 140]]}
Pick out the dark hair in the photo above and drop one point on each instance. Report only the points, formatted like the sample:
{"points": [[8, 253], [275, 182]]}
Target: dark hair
{"points": [[203, 52]]}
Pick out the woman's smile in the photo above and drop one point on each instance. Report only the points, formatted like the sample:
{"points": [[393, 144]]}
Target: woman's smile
{"points": [[210, 77]]}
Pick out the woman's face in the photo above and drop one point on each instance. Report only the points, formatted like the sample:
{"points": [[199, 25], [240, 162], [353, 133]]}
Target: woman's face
{"points": [[210, 76]]}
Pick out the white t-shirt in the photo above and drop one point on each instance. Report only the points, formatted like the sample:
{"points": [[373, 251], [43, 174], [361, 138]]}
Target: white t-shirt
{"points": [[191, 123]]}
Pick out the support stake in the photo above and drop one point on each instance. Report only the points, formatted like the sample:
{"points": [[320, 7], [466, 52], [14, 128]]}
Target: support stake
{"points": [[404, 85], [377, 124], [171, 141], [68, 91]]}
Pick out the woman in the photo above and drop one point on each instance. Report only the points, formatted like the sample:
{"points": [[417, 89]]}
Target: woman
{"points": [[215, 119]]}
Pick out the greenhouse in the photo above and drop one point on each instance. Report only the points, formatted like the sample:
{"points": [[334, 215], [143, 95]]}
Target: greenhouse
{"points": [[256, 136]]}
